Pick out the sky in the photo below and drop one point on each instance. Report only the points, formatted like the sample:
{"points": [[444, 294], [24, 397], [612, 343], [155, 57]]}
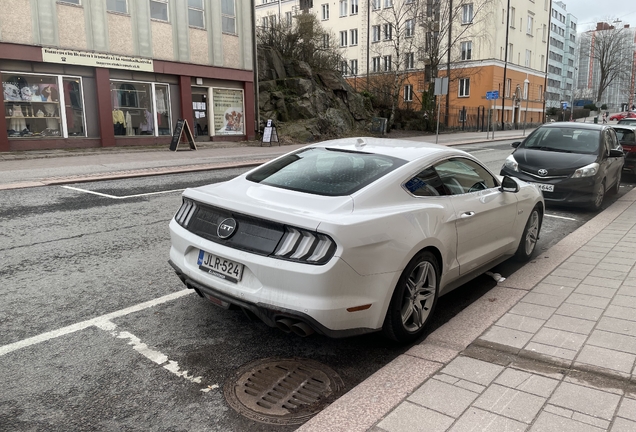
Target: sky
{"points": [[589, 12]]}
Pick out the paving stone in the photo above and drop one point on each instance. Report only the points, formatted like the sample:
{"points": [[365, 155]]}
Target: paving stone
{"points": [[604, 424], [543, 299], [559, 338], [527, 382], [591, 247], [432, 352], [576, 311], [596, 291], [565, 272], [548, 422], [622, 425], [582, 260], [588, 300], [630, 280], [446, 378], [620, 312], [627, 290], [473, 370], [583, 268], [486, 422], [613, 341], [519, 322], [533, 310], [606, 358], [575, 325], [589, 254], [477, 388], [411, 417], [558, 411], [562, 281], [442, 397], [552, 351], [625, 301], [510, 403], [506, 336], [616, 325], [615, 274], [555, 290], [617, 260], [628, 409], [601, 282], [612, 266], [585, 400]]}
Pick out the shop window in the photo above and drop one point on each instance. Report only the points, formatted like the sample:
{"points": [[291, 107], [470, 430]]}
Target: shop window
{"points": [[73, 106], [159, 10], [140, 109], [120, 6], [196, 13]]}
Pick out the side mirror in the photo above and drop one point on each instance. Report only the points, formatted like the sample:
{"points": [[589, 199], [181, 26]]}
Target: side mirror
{"points": [[515, 144], [509, 185], [615, 153]]}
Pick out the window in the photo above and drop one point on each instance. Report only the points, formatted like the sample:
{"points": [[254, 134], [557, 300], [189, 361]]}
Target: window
{"points": [[467, 13], [467, 50], [228, 16], [542, 61], [265, 22], [159, 10], [408, 93], [120, 6], [354, 37], [388, 3], [464, 87], [354, 7], [376, 4], [375, 61], [512, 17], [196, 14], [388, 31], [376, 33], [288, 18], [545, 32], [343, 38], [353, 67], [510, 50], [461, 175], [528, 58], [75, 2], [343, 8], [325, 41], [426, 183], [410, 28], [387, 63], [525, 90], [540, 92], [325, 11], [136, 113], [508, 86], [530, 28], [410, 60], [343, 68]]}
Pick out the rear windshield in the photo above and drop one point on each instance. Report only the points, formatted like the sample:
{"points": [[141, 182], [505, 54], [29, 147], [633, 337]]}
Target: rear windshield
{"points": [[630, 121], [323, 171], [565, 140], [625, 136]]}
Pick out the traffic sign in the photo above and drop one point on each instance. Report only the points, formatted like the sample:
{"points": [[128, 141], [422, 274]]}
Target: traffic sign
{"points": [[492, 94], [564, 104]]}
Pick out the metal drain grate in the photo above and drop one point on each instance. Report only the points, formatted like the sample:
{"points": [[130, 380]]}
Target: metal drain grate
{"points": [[282, 391]]}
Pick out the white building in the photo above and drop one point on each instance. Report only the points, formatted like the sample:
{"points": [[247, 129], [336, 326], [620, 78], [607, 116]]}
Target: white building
{"points": [[561, 56]]}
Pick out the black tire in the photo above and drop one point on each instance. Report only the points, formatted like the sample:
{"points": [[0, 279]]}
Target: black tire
{"points": [[414, 299], [617, 187], [599, 197], [530, 236]]}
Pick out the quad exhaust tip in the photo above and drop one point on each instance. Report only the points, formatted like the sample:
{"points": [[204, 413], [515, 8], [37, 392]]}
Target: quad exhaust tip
{"points": [[289, 325]]}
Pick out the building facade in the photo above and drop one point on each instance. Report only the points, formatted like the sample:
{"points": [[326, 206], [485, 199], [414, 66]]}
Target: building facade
{"points": [[99, 73], [562, 62], [411, 39]]}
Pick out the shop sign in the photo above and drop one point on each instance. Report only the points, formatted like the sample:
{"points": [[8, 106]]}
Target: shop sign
{"points": [[94, 59], [227, 107]]}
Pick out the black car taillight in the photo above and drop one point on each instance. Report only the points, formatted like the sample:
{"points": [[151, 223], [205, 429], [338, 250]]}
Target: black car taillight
{"points": [[185, 212], [305, 246]]}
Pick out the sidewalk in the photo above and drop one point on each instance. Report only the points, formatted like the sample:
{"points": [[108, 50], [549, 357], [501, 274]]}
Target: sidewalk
{"points": [[552, 348], [48, 167]]}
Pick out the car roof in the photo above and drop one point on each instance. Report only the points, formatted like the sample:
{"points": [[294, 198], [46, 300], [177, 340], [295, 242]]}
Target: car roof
{"points": [[576, 125], [399, 148], [625, 126]]}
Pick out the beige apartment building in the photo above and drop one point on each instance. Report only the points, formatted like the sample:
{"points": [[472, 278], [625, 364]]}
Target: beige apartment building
{"points": [[493, 48], [99, 73]]}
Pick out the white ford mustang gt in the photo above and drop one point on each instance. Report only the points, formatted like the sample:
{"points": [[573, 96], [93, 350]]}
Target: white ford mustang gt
{"points": [[352, 235]]}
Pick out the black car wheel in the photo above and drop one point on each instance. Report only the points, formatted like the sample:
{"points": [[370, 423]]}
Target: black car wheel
{"points": [[530, 236], [599, 196], [414, 299]]}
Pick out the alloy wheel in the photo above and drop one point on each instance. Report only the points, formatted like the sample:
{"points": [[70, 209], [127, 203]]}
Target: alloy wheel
{"points": [[419, 296], [532, 233]]}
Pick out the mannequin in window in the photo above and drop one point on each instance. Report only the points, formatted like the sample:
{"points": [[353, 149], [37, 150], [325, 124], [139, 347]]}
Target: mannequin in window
{"points": [[119, 122]]}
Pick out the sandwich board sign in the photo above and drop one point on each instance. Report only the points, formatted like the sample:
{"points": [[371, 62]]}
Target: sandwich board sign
{"points": [[181, 131]]}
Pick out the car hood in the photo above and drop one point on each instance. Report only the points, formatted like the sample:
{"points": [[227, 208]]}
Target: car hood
{"points": [[530, 160], [283, 205]]}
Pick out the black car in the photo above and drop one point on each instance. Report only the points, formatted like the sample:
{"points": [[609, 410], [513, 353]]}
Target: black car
{"points": [[627, 121], [626, 134], [572, 163]]}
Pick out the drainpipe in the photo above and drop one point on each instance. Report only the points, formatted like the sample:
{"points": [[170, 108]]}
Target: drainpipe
{"points": [[257, 116], [503, 96], [448, 59]]}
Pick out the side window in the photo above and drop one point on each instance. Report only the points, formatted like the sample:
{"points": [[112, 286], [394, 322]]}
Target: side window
{"points": [[608, 141], [615, 142], [464, 176], [426, 183]]}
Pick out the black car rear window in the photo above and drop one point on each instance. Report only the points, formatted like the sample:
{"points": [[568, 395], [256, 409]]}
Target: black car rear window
{"points": [[324, 171], [565, 139]]}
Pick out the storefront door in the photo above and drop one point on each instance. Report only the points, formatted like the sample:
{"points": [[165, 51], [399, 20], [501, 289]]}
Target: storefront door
{"points": [[200, 107]]}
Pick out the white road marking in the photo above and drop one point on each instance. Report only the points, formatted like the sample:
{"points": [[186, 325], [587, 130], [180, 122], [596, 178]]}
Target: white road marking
{"points": [[121, 197], [99, 321], [482, 150], [559, 217]]}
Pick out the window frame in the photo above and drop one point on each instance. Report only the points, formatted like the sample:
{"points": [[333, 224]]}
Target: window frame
{"points": [[228, 16], [116, 11], [353, 37], [163, 2], [467, 14], [196, 9], [409, 27], [466, 48], [408, 93], [325, 11], [463, 87], [343, 38]]}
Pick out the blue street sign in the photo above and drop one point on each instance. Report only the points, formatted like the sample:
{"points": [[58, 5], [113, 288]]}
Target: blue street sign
{"points": [[492, 94], [564, 105]]}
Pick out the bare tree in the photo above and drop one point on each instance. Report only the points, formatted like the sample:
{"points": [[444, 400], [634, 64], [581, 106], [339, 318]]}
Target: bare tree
{"points": [[611, 50]]}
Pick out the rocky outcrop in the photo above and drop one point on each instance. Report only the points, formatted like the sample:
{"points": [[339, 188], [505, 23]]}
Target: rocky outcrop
{"points": [[308, 106]]}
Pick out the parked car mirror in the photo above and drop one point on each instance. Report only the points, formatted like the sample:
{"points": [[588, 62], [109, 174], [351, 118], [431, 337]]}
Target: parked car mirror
{"points": [[509, 185], [515, 144], [615, 153]]}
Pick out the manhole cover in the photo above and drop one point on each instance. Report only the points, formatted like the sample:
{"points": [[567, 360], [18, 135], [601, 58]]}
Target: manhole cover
{"points": [[282, 391]]}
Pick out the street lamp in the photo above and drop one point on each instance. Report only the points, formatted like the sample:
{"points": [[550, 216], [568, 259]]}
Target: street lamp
{"points": [[526, 87]]}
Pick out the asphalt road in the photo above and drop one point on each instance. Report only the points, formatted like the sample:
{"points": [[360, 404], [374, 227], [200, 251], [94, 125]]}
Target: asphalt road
{"points": [[99, 334]]}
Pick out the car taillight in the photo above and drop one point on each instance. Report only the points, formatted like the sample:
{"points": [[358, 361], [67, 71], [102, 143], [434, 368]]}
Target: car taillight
{"points": [[305, 246], [185, 212]]}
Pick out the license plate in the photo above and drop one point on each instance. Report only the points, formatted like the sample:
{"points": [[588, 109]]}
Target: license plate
{"points": [[222, 268], [545, 187]]}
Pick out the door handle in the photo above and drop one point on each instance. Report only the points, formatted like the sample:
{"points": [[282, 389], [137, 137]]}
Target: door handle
{"points": [[467, 214]]}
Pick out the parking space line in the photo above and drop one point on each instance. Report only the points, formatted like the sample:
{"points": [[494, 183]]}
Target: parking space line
{"points": [[121, 197], [559, 217]]}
